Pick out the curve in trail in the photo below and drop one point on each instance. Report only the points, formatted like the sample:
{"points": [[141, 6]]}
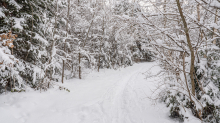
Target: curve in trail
{"points": [[116, 100], [129, 99], [111, 96]]}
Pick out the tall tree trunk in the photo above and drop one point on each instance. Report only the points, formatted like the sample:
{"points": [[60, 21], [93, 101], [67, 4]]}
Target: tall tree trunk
{"points": [[63, 70], [99, 61], [53, 41], [67, 20], [164, 10], [215, 30], [184, 72], [79, 65], [200, 30], [189, 45], [100, 46]]}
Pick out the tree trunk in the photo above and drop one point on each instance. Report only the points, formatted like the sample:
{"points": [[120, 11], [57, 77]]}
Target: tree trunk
{"points": [[67, 20], [215, 30], [53, 42], [189, 45], [63, 70], [184, 72], [100, 46], [79, 66], [99, 62]]}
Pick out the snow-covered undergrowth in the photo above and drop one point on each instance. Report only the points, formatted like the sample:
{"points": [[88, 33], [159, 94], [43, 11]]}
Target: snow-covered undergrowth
{"points": [[110, 96]]}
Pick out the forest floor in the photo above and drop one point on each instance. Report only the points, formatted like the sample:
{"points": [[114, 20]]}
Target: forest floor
{"points": [[110, 96]]}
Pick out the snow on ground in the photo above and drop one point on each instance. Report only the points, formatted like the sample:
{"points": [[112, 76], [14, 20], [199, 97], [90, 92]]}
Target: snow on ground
{"points": [[110, 96]]}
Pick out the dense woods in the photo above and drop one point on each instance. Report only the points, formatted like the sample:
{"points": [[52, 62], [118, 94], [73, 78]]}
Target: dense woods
{"points": [[56, 36], [47, 41]]}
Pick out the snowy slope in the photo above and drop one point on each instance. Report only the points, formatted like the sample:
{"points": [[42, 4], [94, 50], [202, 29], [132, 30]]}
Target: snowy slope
{"points": [[111, 96]]}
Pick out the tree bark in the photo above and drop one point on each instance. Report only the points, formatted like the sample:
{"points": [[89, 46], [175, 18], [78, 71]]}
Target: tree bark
{"points": [[184, 72], [79, 66], [186, 30], [100, 46], [214, 29], [67, 20], [53, 41]]}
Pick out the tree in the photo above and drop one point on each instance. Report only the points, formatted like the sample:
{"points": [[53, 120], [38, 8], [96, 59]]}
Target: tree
{"points": [[183, 49]]}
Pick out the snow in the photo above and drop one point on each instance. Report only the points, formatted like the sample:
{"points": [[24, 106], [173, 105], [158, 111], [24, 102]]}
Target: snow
{"points": [[37, 36], [37, 70], [1, 13], [18, 23], [15, 4], [110, 96], [215, 3], [4, 57]]}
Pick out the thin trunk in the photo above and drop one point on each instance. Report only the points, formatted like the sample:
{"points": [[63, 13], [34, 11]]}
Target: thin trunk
{"points": [[164, 36], [79, 65], [189, 45], [53, 41], [63, 71], [100, 46], [99, 62], [13, 76], [184, 72], [5, 88], [67, 20], [10, 82], [198, 15], [63, 63], [164, 9], [215, 30]]}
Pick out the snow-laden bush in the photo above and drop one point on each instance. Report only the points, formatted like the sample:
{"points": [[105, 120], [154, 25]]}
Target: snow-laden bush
{"points": [[187, 49], [10, 66]]}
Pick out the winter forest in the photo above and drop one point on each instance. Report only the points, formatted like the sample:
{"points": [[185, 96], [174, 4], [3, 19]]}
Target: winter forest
{"points": [[109, 61]]}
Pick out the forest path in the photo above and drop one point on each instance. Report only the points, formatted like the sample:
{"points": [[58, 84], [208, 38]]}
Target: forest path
{"points": [[110, 96]]}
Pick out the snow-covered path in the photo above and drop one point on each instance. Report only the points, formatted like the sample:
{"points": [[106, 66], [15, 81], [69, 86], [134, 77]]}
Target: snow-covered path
{"points": [[111, 96]]}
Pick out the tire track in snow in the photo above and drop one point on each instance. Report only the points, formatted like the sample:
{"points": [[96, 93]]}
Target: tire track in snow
{"points": [[111, 108], [116, 99], [105, 97]]}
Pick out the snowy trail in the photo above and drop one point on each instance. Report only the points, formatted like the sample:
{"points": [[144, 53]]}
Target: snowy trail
{"points": [[107, 97]]}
